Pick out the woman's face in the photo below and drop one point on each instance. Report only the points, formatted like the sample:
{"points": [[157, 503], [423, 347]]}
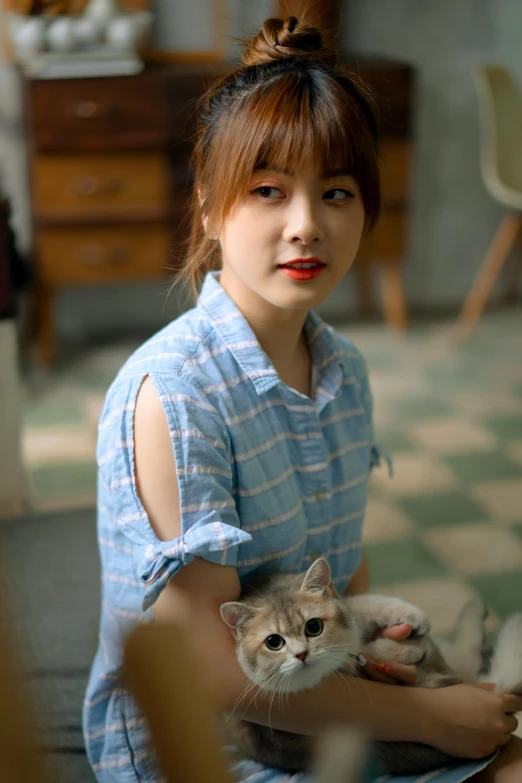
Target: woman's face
{"points": [[307, 217]]}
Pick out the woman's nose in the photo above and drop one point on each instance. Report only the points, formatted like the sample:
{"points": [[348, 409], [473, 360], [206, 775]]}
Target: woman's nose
{"points": [[303, 225]]}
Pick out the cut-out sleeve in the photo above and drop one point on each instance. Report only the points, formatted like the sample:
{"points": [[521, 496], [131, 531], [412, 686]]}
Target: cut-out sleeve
{"points": [[210, 527]]}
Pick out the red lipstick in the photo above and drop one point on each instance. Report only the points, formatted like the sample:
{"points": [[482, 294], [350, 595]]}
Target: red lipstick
{"points": [[302, 269]]}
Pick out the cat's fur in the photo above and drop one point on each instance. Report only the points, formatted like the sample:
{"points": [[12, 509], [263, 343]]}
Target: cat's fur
{"points": [[281, 605]]}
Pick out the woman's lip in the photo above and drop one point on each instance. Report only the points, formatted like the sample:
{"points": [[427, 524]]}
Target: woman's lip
{"points": [[299, 273], [311, 260]]}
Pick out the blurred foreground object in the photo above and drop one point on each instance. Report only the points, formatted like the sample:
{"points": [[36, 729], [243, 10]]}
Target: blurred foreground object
{"points": [[12, 481], [170, 690], [500, 105], [342, 758], [20, 761]]}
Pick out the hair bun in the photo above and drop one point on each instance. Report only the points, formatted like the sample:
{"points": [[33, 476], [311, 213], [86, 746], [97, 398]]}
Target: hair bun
{"points": [[280, 38]]}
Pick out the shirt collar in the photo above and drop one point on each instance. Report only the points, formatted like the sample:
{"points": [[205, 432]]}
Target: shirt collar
{"points": [[235, 332]]}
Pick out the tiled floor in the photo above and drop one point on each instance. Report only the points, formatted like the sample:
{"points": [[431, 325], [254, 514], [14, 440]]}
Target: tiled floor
{"points": [[449, 523], [447, 526]]}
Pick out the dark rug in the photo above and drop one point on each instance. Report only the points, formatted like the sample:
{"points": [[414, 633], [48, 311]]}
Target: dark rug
{"points": [[49, 577]]}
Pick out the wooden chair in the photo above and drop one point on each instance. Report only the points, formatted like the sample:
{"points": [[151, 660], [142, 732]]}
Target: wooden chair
{"points": [[170, 690], [500, 105]]}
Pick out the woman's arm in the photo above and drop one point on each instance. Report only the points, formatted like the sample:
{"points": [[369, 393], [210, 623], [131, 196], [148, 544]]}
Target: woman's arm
{"points": [[360, 581], [193, 598]]}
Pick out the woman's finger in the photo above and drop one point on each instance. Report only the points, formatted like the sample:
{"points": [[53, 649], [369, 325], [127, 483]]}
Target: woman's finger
{"points": [[390, 673], [512, 703], [403, 673], [372, 671], [511, 723]]}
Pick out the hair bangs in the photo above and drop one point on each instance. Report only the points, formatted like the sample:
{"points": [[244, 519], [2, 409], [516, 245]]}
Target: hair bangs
{"points": [[308, 126], [302, 117]]}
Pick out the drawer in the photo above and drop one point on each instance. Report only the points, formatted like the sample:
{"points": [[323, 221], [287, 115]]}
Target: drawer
{"points": [[395, 172], [91, 114], [387, 242], [112, 185], [71, 255]]}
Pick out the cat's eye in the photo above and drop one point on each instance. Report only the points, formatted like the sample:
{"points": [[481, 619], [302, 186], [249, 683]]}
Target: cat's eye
{"points": [[314, 627], [274, 642]]}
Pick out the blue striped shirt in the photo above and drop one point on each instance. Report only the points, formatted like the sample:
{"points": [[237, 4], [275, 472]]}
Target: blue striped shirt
{"points": [[268, 480]]}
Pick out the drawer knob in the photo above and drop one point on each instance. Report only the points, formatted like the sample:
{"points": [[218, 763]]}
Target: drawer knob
{"points": [[90, 186], [91, 109], [98, 255]]}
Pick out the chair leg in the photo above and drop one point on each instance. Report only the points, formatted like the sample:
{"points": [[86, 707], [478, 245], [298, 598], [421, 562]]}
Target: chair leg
{"points": [[489, 272], [512, 282], [393, 296]]}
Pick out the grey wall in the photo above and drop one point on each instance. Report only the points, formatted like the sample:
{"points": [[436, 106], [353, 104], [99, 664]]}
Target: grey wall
{"points": [[453, 217]]}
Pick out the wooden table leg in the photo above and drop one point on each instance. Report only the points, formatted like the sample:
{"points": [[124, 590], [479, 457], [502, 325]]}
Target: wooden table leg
{"points": [[364, 289], [43, 326], [393, 296]]}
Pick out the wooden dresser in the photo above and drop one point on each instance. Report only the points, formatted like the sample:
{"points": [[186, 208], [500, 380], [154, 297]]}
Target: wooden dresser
{"points": [[108, 168]]}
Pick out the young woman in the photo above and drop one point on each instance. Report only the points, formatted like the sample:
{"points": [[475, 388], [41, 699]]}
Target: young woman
{"points": [[240, 437]]}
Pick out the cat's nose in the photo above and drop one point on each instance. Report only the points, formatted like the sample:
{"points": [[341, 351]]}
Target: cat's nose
{"points": [[302, 655]]}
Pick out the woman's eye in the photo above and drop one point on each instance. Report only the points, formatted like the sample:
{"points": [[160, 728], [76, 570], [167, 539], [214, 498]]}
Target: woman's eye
{"points": [[314, 627], [274, 642], [338, 194], [267, 192]]}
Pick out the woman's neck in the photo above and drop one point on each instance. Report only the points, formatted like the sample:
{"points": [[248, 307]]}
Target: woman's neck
{"points": [[279, 332]]}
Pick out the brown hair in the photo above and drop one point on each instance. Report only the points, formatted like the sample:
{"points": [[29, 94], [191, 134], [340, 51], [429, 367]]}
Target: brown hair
{"points": [[290, 100]]}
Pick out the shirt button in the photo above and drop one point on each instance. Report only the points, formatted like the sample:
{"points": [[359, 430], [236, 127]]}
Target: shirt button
{"points": [[315, 555]]}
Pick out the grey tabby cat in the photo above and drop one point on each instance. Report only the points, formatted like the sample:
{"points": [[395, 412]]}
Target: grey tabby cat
{"points": [[291, 631]]}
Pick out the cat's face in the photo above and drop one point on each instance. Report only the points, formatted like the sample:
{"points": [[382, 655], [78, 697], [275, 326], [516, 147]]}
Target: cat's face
{"points": [[291, 636]]}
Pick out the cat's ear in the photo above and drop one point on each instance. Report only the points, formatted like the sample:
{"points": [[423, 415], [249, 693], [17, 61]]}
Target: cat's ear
{"points": [[237, 614], [318, 576]]}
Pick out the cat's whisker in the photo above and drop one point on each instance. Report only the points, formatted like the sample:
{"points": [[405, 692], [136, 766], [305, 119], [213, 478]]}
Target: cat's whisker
{"points": [[270, 709], [346, 647], [255, 686], [262, 686], [343, 680], [244, 694], [277, 692], [281, 693]]}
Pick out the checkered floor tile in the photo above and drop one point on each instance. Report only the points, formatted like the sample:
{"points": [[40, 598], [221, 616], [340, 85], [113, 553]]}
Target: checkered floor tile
{"points": [[449, 523]]}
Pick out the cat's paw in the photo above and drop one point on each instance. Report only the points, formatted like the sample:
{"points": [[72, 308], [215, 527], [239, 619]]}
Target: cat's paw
{"points": [[399, 612], [506, 664], [409, 652]]}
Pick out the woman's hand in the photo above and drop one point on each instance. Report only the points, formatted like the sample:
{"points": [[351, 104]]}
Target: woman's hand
{"points": [[469, 721], [388, 671]]}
